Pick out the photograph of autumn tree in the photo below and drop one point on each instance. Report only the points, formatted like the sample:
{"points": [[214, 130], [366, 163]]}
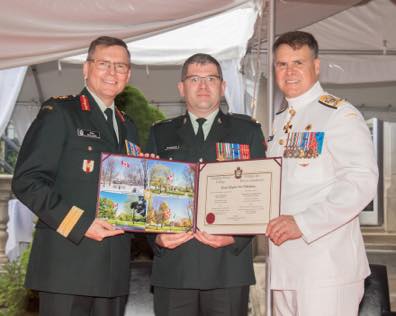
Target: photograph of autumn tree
{"points": [[171, 196]]}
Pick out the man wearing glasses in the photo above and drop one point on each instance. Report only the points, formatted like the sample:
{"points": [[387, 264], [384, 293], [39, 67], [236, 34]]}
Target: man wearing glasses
{"points": [[203, 274], [79, 264]]}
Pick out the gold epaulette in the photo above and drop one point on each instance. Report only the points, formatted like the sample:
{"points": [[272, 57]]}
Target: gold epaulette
{"points": [[63, 97], [331, 101], [47, 107]]}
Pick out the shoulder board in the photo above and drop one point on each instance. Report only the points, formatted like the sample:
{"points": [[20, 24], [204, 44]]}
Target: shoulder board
{"points": [[120, 114], [46, 107], [284, 105], [243, 117], [63, 97], [331, 101], [171, 120]]}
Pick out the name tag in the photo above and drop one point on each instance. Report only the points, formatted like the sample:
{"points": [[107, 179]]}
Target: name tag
{"points": [[88, 133], [169, 148]]}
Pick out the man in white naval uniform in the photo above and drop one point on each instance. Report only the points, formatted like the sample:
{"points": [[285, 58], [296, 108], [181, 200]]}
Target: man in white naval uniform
{"points": [[317, 254]]}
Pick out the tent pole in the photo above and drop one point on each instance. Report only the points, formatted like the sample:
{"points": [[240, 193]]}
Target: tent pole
{"points": [[270, 79], [38, 83], [270, 105]]}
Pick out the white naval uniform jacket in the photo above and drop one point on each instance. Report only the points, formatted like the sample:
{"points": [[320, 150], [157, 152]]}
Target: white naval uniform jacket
{"points": [[324, 194]]}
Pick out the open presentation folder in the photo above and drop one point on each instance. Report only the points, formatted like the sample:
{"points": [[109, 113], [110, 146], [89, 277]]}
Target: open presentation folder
{"points": [[164, 196]]}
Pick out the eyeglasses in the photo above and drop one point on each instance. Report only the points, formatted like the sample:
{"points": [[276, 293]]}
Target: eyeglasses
{"points": [[105, 65], [209, 80]]}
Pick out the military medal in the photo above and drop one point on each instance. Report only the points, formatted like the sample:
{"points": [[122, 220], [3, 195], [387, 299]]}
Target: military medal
{"points": [[88, 165], [286, 151], [219, 152], [231, 151]]}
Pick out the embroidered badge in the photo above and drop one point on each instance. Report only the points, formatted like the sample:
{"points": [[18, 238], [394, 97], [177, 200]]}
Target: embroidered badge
{"points": [[88, 165], [84, 103]]}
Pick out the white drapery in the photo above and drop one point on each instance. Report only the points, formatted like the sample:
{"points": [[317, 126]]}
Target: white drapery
{"points": [[10, 84], [22, 117], [235, 86]]}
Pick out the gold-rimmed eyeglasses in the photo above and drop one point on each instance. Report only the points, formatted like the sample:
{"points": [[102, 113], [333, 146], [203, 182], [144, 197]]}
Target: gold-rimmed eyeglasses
{"points": [[102, 64], [195, 80]]}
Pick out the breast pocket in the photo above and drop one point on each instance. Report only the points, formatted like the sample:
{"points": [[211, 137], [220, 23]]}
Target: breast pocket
{"points": [[82, 157]]}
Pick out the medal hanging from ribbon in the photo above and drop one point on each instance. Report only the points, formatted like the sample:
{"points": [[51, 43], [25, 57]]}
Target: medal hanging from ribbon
{"points": [[304, 145]]}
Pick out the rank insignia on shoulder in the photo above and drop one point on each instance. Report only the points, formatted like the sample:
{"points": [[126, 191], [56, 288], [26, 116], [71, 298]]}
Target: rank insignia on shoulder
{"points": [[331, 101], [162, 121], [62, 97], [47, 107]]}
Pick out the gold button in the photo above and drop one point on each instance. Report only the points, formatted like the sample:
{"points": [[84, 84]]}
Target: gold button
{"points": [[281, 142]]}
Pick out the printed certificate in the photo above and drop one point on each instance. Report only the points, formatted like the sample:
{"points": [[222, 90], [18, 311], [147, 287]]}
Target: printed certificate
{"points": [[238, 197]]}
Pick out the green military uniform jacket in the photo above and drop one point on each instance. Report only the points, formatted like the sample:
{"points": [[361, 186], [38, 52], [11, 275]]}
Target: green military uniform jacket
{"points": [[194, 265], [56, 176]]}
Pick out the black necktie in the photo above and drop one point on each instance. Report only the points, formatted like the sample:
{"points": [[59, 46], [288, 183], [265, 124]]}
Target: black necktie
{"points": [[200, 134], [109, 120]]}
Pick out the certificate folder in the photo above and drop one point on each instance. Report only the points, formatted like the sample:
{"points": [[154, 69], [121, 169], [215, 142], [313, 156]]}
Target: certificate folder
{"points": [[166, 196]]}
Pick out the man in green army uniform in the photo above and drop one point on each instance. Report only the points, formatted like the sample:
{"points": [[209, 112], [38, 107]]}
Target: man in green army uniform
{"points": [[79, 264], [203, 274]]}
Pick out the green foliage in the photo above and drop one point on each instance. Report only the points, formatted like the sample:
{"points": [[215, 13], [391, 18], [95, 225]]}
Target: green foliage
{"points": [[107, 208], [135, 105], [14, 296]]}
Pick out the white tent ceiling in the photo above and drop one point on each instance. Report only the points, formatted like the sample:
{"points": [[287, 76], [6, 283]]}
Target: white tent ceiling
{"points": [[210, 35], [44, 30], [357, 45], [33, 32]]}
